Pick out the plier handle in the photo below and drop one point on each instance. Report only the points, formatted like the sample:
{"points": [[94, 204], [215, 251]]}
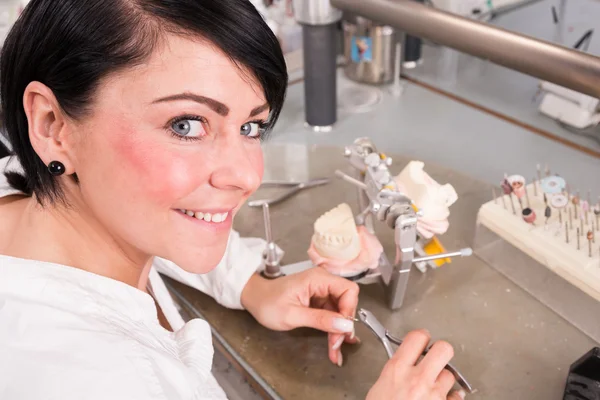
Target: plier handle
{"points": [[387, 339]]}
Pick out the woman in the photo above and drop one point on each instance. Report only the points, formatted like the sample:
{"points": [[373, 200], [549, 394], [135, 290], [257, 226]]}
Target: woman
{"points": [[136, 126]]}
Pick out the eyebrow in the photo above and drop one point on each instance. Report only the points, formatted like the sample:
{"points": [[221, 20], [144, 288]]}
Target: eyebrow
{"points": [[215, 105]]}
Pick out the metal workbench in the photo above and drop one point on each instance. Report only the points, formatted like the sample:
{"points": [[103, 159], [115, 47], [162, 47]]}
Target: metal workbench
{"points": [[508, 344]]}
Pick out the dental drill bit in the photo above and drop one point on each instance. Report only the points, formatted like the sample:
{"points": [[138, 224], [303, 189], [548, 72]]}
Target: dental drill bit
{"points": [[570, 219], [581, 225], [539, 172], [560, 216], [578, 242], [566, 233], [547, 214], [547, 170], [527, 197], [590, 237], [535, 182]]}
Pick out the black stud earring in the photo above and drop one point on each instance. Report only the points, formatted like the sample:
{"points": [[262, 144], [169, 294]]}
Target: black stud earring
{"points": [[56, 168]]}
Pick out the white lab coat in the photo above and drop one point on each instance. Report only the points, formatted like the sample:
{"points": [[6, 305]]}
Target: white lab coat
{"points": [[67, 334]]}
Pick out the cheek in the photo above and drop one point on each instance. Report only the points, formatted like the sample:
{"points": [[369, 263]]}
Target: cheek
{"points": [[154, 169]]}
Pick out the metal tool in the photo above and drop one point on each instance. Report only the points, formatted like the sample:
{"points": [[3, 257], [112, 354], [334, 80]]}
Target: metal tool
{"points": [[295, 188], [387, 339], [271, 257]]}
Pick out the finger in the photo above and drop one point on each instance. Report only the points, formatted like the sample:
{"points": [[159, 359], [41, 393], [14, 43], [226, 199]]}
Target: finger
{"points": [[324, 320], [334, 348], [350, 338], [457, 395], [445, 381], [412, 347], [343, 291], [436, 359]]}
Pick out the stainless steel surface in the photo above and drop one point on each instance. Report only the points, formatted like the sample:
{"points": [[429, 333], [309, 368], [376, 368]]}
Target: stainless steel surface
{"points": [[315, 12], [286, 195], [380, 68], [386, 339], [553, 63]]}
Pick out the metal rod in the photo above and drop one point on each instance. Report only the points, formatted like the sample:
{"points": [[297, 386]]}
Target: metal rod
{"points": [[267, 222], [567, 232], [560, 65], [351, 180], [578, 240], [464, 253]]}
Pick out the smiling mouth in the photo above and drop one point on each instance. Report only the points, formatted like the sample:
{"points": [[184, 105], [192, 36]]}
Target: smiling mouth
{"points": [[215, 218]]}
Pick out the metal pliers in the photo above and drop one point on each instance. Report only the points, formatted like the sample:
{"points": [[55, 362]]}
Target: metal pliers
{"points": [[367, 318]]}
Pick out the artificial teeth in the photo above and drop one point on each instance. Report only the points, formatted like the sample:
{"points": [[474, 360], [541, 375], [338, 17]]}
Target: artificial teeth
{"points": [[336, 235]]}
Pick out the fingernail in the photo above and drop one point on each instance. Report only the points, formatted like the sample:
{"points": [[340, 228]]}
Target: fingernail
{"points": [[343, 325], [338, 343], [353, 333], [340, 358], [462, 394]]}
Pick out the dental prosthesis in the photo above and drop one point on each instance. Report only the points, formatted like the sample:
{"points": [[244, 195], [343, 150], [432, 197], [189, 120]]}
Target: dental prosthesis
{"points": [[341, 247], [431, 198]]}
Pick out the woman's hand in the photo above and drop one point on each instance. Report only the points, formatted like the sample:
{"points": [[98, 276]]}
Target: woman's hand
{"points": [[314, 299], [404, 379]]}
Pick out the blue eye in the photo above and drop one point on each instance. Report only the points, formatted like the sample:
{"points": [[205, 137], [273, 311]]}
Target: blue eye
{"points": [[187, 127], [252, 129]]}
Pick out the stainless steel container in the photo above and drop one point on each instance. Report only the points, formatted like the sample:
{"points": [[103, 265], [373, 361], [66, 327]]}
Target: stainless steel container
{"points": [[370, 51]]}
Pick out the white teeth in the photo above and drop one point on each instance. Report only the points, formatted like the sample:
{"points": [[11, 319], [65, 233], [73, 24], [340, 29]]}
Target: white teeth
{"points": [[336, 235], [208, 217]]}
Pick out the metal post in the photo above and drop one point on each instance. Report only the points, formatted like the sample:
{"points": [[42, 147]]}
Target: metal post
{"points": [[319, 19]]}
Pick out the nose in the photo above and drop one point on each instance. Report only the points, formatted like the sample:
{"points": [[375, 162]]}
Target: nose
{"points": [[239, 165]]}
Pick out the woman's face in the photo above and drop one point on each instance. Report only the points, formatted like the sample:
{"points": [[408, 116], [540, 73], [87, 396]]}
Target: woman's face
{"points": [[170, 153]]}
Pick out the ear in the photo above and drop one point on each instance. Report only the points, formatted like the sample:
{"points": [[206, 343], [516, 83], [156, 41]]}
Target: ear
{"points": [[48, 126]]}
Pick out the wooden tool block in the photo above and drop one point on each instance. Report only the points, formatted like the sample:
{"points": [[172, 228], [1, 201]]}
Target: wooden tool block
{"points": [[547, 243]]}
